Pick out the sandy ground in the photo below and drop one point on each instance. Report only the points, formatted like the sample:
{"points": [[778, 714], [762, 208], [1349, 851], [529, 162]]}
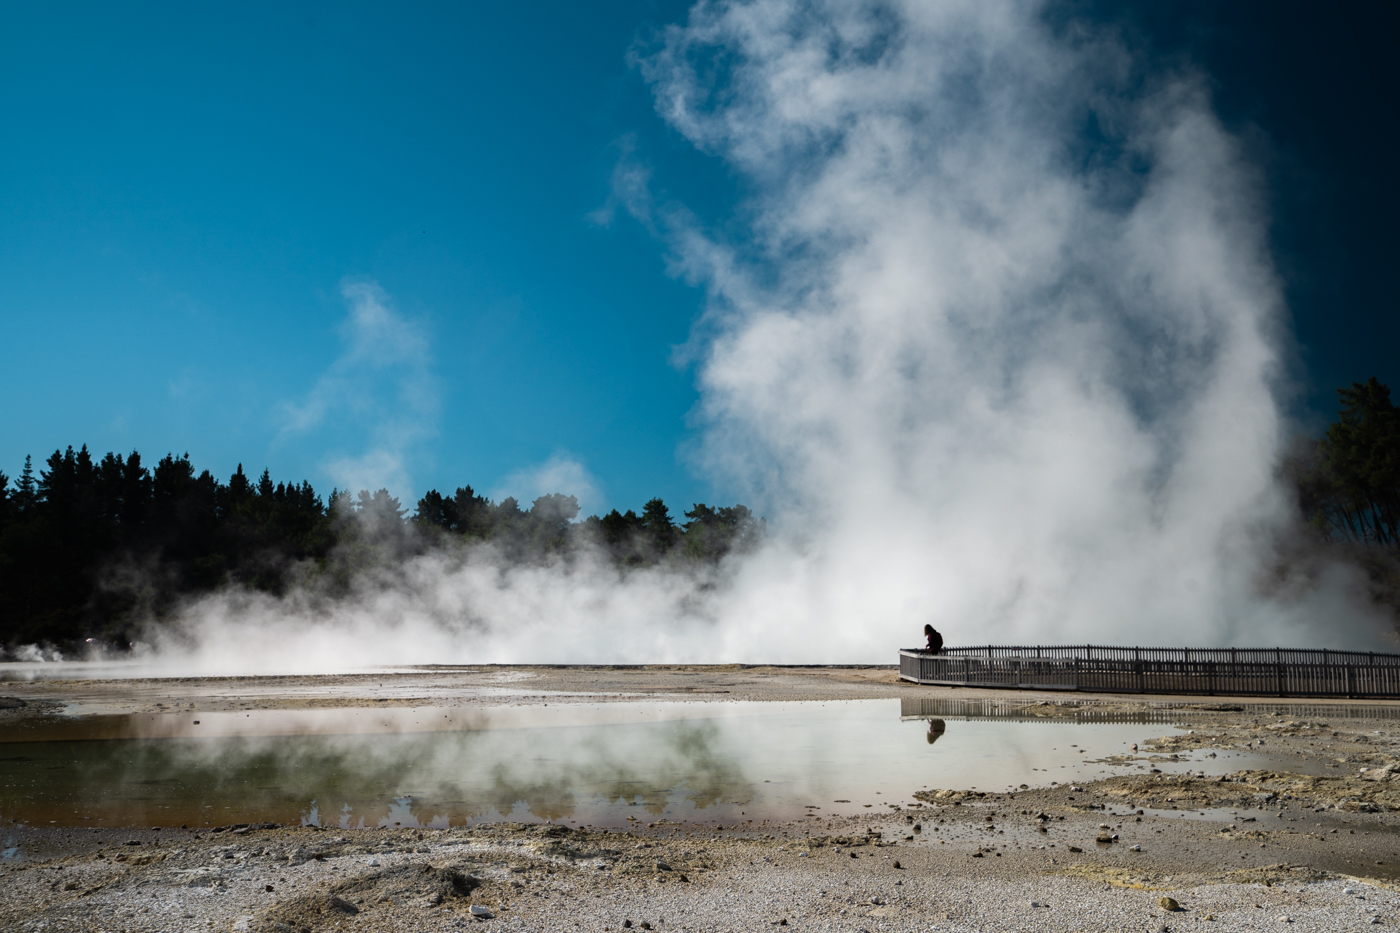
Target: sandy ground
{"points": [[1263, 849]]}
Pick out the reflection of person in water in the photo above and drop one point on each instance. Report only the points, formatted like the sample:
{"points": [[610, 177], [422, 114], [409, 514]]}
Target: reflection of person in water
{"points": [[935, 640], [936, 728]]}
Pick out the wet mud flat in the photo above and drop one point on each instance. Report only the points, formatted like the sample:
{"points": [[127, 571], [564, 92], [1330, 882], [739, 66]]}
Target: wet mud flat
{"points": [[1313, 838]]}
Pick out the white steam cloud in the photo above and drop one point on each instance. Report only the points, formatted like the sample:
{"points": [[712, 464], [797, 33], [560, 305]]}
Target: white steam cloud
{"points": [[561, 473], [1000, 352], [383, 382]]}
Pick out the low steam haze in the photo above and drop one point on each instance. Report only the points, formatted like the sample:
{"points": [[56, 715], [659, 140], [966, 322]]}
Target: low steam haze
{"points": [[976, 366]]}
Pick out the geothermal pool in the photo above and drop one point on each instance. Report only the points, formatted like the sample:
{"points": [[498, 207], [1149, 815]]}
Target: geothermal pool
{"points": [[605, 764]]}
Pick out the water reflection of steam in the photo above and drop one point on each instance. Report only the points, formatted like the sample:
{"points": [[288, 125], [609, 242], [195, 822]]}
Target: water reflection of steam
{"points": [[435, 779]]}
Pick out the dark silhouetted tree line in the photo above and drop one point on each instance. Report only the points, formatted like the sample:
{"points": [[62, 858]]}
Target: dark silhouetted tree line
{"points": [[1348, 480], [1347, 484], [91, 549]]}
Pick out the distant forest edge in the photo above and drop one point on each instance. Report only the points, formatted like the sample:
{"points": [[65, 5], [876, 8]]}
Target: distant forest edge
{"points": [[96, 548]]}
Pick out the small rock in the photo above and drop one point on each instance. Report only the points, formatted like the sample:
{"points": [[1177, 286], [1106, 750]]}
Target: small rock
{"points": [[1285, 919], [1075, 849], [1035, 903], [1348, 890], [477, 910], [627, 924], [268, 888], [1135, 848], [896, 865], [1168, 903], [645, 925], [1104, 837], [662, 866]]}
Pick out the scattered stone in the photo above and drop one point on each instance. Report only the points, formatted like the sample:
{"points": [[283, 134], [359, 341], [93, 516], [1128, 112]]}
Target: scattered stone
{"points": [[477, 910], [1075, 849], [662, 866], [1168, 903]]}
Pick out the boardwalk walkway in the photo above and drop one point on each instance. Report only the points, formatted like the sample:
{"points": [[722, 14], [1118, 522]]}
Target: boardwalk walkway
{"points": [[1275, 672]]}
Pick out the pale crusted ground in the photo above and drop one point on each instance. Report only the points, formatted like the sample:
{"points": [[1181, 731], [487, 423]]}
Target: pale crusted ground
{"points": [[1293, 846]]}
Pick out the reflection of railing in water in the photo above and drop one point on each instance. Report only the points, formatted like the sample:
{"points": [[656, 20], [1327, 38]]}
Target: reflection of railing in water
{"points": [[912, 708], [1095, 711], [1281, 672]]}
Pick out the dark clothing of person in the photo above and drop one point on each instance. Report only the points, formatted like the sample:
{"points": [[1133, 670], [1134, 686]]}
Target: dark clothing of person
{"points": [[935, 642]]}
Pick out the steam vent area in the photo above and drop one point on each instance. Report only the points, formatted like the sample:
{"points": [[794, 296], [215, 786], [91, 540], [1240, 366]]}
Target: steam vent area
{"points": [[1276, 672], [708, 798]]}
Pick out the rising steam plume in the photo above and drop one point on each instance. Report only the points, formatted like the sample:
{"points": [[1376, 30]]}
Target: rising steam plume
{"points": [[1000, 350]]}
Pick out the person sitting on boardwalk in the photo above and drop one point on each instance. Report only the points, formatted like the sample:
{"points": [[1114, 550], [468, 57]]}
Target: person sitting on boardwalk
{"points": [[935, 640]]}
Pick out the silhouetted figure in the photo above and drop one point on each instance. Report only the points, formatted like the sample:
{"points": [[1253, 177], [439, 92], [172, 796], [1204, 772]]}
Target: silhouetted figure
{"points": [[935, 640], [936, 728]]}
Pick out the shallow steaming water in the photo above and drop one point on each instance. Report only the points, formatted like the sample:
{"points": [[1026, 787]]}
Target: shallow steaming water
{"points": [[591, 764]]}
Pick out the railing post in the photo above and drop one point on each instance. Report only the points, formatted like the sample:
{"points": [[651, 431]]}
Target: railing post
{"points": [[1076, 673], [1278, 670], [1351, 689]]}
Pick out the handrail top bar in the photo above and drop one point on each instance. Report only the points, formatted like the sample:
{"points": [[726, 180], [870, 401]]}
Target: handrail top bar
{"points": [[1068, 650]]}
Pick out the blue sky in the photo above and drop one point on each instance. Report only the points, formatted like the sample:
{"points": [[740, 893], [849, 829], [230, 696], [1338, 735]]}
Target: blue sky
{"points": [[188, 192]]}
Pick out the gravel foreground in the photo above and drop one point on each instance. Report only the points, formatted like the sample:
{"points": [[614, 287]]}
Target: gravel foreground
{"points": [[1262, 849]]}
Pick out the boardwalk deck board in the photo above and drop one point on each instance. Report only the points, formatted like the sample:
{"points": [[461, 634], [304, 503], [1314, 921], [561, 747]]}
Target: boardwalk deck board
{"points": [[1277, 672]]}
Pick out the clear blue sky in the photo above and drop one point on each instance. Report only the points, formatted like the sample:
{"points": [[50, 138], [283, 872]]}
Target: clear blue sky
{"points": [[184, 190]]}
